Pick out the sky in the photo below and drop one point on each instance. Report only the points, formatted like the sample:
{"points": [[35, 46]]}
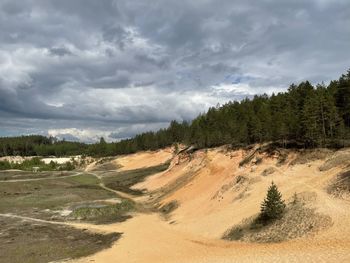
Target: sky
{"points": [[82, 69]]}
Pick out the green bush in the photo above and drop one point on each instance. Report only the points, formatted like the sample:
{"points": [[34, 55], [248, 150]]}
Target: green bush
{"points": [[68, 166], [108, 213], [5, 165], [27, 165]]}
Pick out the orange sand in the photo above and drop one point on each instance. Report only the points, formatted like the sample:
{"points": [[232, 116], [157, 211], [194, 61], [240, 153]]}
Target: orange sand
{"points": [[212, 199]]}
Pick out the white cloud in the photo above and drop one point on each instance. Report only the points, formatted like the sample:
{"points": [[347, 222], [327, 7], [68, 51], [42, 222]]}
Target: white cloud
{"points": [[85, 135]]}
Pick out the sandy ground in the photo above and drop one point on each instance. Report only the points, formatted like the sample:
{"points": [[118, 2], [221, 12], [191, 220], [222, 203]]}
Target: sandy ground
{"points": [[15, 159], [61, 160], [144, 159], [214, 194]]}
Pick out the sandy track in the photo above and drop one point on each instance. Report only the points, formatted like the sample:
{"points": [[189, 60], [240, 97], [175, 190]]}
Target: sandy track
{"points": [[40, 179]]}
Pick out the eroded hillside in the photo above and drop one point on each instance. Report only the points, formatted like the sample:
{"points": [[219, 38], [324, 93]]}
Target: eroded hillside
{"points": [[205, 193]]}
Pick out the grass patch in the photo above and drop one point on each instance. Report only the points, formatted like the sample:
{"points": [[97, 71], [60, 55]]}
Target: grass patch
{"points": [[104, 213], [122, 181], [307, 156], [38, 243], [340, 158], [31, 198], [19, 175], [340, 187], [85, 179]]}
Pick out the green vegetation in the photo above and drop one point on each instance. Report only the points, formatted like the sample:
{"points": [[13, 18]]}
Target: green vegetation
{"points": [[42, 198], [102, 214], [20, 175], [304, 116], [122, 181], [273, 206], [36, 145], [27, 165], [40, 243], [297, 220]]}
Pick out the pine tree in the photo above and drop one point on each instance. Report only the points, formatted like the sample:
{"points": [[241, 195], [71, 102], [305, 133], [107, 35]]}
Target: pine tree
{"points": [[273, 205]]}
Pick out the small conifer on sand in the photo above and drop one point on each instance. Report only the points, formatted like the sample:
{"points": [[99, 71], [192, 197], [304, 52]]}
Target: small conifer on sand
{"points": [[273, 205]]}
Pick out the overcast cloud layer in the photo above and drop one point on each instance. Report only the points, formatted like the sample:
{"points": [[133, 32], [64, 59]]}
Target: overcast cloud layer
{"points": [[81, 69]]}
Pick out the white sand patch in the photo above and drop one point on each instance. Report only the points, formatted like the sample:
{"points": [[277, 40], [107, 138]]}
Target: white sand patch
{"points": [[65, 212], [15, 159], [61, 160]]}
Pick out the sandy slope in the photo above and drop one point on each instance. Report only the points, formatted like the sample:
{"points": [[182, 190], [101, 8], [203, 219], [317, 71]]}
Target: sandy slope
{"points": [[144, 159], [214, 194]]}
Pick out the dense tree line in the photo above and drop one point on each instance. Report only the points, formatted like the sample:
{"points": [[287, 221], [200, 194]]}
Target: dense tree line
{"points": [[306, 115], [37, 145]]}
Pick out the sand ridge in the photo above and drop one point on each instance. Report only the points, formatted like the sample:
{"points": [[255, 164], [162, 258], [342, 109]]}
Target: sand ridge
{"points": [[143, 159], [215, 193]]}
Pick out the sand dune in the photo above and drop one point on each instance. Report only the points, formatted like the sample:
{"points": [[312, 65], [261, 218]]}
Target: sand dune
{"points": [[143, 159], [215, 193]]}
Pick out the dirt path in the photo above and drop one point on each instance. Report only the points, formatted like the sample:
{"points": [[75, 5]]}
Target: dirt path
{"points": [[39, 179], [87, 226], [119, 193]]}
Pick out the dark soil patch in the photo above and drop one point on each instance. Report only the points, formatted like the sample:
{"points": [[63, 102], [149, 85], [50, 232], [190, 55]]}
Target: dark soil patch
{"points": [[268, 171], [169, 207], [22, 241]]}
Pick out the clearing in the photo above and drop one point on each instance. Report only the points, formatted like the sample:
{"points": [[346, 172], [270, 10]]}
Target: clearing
{"points": [[180, 211]]}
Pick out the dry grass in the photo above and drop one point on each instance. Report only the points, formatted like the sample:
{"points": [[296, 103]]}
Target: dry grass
{"points": [[340, 187], [298, 221], [307, 156], [41, 198], [30, 242], [103, 213], [341, 158], [122, 181]]}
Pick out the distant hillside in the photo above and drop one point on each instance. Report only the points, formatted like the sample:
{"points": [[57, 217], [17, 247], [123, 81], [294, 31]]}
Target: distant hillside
{"points": [[305, 116]]}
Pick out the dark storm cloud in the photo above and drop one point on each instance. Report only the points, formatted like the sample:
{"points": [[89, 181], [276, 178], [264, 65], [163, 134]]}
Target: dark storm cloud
{"points": [[60, 51], [87, 68]]}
